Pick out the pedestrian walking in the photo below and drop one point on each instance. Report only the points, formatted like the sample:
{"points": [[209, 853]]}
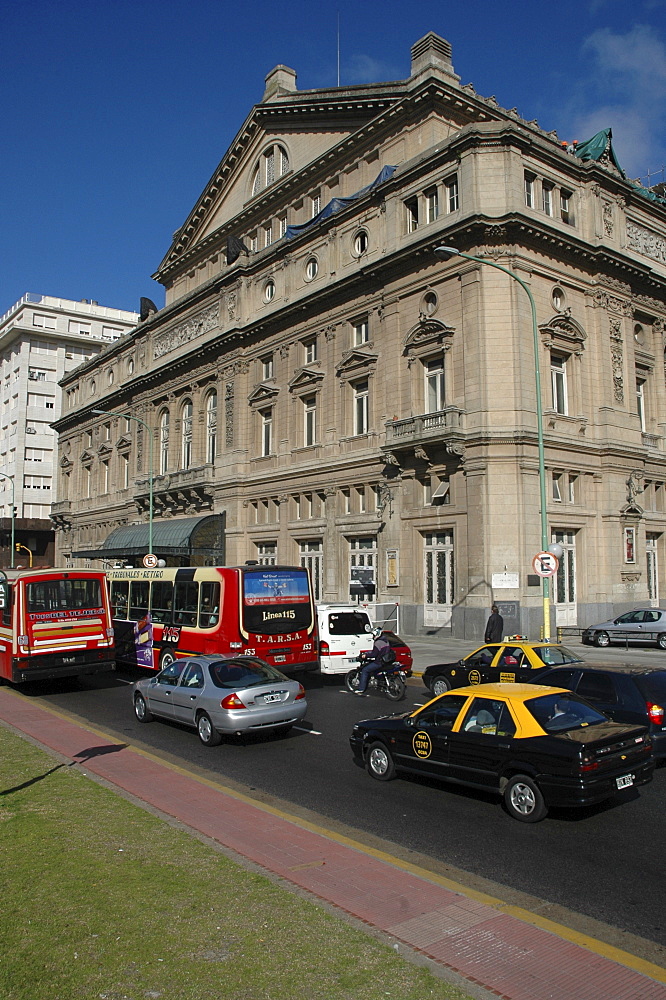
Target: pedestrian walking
{"points": [[494, 626]]}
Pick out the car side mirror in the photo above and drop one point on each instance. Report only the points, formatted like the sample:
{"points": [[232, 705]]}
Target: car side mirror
{"points": [[410, 721]]}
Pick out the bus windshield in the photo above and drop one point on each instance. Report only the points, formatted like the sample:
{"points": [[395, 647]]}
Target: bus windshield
{"points": [[69, 595], [276, 600]]}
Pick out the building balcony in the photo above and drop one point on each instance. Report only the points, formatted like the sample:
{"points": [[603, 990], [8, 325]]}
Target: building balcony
{"points": [[426, 427], [183, 491]]}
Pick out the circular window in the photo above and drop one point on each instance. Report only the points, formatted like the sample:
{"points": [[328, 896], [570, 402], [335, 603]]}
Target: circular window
{"points": [[269, 291], [557, 298], [430, 303], [311, 269], [360, 243], [639, 334]]}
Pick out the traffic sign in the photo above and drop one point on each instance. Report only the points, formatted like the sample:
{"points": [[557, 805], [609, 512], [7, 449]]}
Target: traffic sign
{"points": [[545, 564], [150, 561]]}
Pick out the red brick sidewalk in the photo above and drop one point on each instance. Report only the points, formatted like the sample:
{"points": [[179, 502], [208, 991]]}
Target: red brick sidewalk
{"points": [[511, 957]]}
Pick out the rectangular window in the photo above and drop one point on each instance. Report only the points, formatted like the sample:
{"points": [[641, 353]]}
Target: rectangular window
{"points": [[565, 207], [310, 350], [267, 553], [361, 397], [434, 376], [312, 557], [529, 190], [44, 322], [412, 214], [557, 487], [547, 198], [361, 331], [558, 375], [266, 431], [124, 465], [111, 332], [268, 234], [104, 477], [267, 366], [432, 204], [309, 421], [254, 243], [283, 225], [315, 204], [76, 326], [573, 489], [640, 401], [452, 201]]}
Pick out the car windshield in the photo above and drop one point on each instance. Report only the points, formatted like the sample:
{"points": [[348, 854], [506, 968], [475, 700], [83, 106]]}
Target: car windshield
{"points": [[562, 712], [653, 686], [242, 672], [556, 655], [348, 623]]}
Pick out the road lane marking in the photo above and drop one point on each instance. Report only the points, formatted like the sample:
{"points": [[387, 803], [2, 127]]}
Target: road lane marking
{"points": [[313, 732]]}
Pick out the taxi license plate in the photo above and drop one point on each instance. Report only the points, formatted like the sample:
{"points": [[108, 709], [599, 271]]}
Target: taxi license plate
{"points": [[276, 697], [625, 782]]}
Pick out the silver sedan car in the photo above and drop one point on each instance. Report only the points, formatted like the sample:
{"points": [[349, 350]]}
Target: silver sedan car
{"points": [[218, 695]]}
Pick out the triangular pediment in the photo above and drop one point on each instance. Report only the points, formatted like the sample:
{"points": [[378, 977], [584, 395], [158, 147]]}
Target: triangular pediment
{"points": [[123, 442], [305, 378], [263, 393], [355, 363], [65, 463], [88, 456], [104, 449], [301, 128]]}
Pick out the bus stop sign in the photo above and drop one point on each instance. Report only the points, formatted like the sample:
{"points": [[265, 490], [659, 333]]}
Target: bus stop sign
{"points": [[545, 564]]}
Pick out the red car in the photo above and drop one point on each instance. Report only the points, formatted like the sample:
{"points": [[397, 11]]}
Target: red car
{"points": [[403, 653]]}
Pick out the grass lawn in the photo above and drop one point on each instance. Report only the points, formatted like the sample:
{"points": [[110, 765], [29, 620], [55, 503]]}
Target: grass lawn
{"points": [[103, 900]]}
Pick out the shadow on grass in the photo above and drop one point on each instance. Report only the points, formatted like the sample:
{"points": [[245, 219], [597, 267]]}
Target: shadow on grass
{"points": [[83, 755]]}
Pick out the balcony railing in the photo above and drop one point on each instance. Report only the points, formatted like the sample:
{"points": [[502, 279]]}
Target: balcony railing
{"points": [[425, 427]]}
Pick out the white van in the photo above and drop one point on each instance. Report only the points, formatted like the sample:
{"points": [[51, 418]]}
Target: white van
{"points": [[344, 631]]}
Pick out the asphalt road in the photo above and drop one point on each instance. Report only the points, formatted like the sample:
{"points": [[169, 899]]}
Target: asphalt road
{"points": [[599, 865]]}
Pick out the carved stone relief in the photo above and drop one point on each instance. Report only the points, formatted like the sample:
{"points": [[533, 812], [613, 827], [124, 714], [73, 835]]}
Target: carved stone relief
{"points": [[192, 328], [608, 219], [645, 242], [617, 359], [229, 414]]}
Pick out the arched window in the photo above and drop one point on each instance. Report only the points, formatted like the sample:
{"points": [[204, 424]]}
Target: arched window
{"points": [[211, 426], [273, 164], [186, 435], [164, 441]]}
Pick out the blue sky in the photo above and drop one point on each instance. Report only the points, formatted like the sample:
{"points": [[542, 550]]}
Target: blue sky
{"points": [[115, 114]]}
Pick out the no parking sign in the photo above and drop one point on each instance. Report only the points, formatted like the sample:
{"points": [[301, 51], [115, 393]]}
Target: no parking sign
{"points": [[545, 564]]}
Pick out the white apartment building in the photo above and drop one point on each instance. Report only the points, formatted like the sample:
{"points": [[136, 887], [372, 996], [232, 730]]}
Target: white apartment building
{"points": [[42, 338]]}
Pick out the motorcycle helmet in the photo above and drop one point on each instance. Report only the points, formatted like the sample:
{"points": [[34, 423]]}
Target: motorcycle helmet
{"points": [[376, 632]]}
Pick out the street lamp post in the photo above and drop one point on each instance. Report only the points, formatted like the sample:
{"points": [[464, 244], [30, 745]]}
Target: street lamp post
{"points": [[444, 253], [3, 476], [129, 416]]}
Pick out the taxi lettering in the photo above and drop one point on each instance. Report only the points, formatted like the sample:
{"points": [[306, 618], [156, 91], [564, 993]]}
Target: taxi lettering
{"points": [[422, 744]]}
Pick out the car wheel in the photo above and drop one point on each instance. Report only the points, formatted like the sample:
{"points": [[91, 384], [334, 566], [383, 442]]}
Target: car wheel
{"points": [[141, 709], [601, 639], [524, 800], [661, 640], [208, 734], [167, 657], [440, 685], [379, 762]]}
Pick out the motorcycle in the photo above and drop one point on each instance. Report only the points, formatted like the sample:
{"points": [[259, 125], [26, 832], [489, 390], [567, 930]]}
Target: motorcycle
{"points": [[388, 681]]}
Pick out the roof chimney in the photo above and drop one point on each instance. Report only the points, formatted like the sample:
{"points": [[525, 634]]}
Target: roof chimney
{"points": [[433, 53], [280, 81]]}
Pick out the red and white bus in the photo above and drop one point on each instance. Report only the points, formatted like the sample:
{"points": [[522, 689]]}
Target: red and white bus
{"points": [[55, 623], [160, 615]]}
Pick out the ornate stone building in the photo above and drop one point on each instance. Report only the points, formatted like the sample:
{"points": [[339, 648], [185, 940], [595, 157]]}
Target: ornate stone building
{"points": [[347, 400]]}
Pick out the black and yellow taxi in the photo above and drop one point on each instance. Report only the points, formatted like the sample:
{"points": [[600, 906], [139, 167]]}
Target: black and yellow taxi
{"points": [[534, 745], [503, 662]]}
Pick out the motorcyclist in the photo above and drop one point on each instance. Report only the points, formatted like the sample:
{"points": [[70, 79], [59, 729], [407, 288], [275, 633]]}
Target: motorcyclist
{"points": [[372, 660]]}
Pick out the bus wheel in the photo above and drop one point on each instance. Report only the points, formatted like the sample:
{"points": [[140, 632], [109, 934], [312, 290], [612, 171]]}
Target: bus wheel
{"points": [[141, 710], [166, 658], [208, 734]]}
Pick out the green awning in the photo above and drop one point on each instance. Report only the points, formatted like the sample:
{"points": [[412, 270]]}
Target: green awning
{"points": [[173, 536]]}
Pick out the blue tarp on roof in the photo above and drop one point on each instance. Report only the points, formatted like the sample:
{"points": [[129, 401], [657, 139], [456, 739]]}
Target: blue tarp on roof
{"points": [[337, 204]]}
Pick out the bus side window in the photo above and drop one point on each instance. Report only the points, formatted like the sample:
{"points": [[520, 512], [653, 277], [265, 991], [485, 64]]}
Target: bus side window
{"points": [[7, 609], [209, 609], [139, 598], [185, 602], [119, 594], [161, 601]]}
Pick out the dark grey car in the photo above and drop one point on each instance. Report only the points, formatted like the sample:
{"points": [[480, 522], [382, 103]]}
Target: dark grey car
{"points": [[645, 624], [217, 695]]}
